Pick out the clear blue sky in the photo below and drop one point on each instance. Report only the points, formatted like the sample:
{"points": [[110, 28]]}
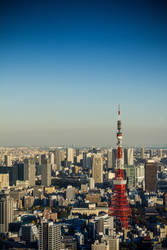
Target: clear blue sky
{"points": [[65, 66]]}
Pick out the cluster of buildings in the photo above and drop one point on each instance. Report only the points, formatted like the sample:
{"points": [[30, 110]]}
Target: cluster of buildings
{"points": [[83, 198]]}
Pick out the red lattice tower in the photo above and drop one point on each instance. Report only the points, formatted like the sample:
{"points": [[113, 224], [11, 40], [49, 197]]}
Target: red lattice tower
{"points": [[119, 207]]}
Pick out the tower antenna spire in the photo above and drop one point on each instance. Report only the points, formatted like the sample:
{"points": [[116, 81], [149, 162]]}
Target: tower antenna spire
{"points": [[119, 111], [120, 208]]}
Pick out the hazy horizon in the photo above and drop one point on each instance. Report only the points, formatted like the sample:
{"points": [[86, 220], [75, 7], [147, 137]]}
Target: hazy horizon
{"points": [[65, 66]]}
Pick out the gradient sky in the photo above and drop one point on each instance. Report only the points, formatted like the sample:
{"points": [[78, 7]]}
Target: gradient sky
{"points": [[65, 66]]}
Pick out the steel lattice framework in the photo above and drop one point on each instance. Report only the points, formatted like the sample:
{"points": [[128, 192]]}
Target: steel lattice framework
{"points": [[119, 207]]}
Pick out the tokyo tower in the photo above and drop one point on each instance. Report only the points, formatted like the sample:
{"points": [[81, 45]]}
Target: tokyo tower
{"points": [[119, 207]]}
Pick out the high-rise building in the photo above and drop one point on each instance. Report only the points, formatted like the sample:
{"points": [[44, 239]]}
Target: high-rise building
{"points": [[142, 152], [119, 205], [150, 176], [114, 158], [70, 155], [6, 212], [87, 160], [29, 171], [109, 159], [130, 176], [140, 174], [58, 159], [45, 171], [97, 168], [7, 160], [128, 156], [49, 236], [160, 153]]}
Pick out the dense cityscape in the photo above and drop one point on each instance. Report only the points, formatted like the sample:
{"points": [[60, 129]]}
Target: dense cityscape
{"points": [[76, 198], [78, 170]]}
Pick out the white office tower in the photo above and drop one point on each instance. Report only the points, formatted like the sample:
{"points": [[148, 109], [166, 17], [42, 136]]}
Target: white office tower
{"points": [[97, 168], [45, 171], [49, 236], [140, 174], [6, 212], [128, 156], [91, 183], [70, 193], [29, 171], [70, 155], [58, 159], [109, 159]]}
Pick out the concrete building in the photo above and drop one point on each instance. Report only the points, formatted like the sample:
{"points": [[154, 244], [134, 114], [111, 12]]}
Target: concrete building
{"points": [[97, 168], [45, 171], [6, 212], [49, 236], [100, 246], [29, 171], [150, 176], [28, 233], [70, 193], [4, 180]]}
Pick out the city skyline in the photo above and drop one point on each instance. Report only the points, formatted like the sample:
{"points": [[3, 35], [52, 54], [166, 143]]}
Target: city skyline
{"points": [[66, 66]]}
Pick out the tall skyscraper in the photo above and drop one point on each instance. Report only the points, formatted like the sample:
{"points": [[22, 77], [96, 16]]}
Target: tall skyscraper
{"points": [[119, 205], [7, 161], [49, 236], [130, 176], [142, 152], [150, 176], [87, 160], [109, 159], [70, 155], [114, 158], [97, 168], [45, 171], [6, 212], [140, 174], [58, 159], [160, 153], [128, 156], [29, 171]]}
